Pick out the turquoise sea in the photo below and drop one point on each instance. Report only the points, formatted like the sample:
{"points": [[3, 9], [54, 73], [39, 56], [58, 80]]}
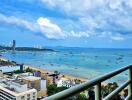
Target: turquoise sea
{"points": [[82, 62]]}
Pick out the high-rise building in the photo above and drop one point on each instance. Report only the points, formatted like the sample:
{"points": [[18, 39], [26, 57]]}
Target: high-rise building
{"points": [[14, 46], [21, 68]]}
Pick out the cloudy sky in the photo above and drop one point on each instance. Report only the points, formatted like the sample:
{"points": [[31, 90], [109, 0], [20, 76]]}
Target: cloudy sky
{"points": [[73, 23]]}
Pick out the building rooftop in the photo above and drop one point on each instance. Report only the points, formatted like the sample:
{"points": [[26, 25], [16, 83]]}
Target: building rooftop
{"points": [[9, 68], [15, 85], [31, 78], [19, 82]]}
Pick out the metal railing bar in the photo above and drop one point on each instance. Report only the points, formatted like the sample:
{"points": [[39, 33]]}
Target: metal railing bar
{"points": [[128, 97], [98, 91], [115, 92], [84, 86], [130, 85], [111, 74]]}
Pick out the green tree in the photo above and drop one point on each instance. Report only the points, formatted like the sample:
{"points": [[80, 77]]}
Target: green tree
{"points": [[82, 96], [56, 72], [29, 70], [52, 89], [107, 89]]}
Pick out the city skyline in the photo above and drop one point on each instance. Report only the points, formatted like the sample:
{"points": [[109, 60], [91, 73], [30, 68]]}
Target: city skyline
{"points": [[98, 23]]}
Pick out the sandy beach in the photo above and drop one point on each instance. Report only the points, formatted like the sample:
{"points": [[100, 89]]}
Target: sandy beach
{"points": [[70, 77], [51, 72]]}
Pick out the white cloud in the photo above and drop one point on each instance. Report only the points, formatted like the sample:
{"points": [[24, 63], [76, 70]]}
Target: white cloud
{"points": [[49, 29], [53, 31], [72, 7], [43, 25], [115, 4], [78, 34], [86, 7], [104, 15], [117, 38], [112, 36], [129, 3], [17, 21], [93, 18]]}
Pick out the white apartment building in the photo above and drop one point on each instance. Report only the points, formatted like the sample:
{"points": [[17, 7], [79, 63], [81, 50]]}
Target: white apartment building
{"points": [[65, 82], [37, 83], [16, 90], [9, 68]]}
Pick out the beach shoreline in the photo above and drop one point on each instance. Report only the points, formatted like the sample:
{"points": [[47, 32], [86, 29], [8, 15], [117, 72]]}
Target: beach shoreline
{"points": [[42, 70], [70, 77], [67, 76]]}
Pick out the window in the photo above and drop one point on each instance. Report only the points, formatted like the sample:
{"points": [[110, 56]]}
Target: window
{"points": [[34, 93], [28, 96], [34, 96], [22, 97]]}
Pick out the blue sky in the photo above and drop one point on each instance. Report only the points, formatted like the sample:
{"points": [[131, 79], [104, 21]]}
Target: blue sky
{"points": [[72, 23]]}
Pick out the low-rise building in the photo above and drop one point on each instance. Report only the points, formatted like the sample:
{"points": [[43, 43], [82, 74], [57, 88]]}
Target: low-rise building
{"points": [[66, 82], [11, 89], [6, 69], [37, 83]]}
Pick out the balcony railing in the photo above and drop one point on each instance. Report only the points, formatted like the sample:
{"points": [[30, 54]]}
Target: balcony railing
{"points": [[97, 83]]}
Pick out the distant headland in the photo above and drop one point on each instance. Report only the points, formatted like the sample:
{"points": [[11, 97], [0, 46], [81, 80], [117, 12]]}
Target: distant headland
{"points": [[25, 48], [14, 48]]}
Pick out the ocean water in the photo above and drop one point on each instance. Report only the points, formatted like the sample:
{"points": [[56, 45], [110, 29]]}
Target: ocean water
{"points": [[82, 62]]}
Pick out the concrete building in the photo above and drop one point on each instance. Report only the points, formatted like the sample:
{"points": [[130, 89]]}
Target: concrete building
{"points": [[37, 83], [11, 89], [1, 73], [66, 82], [49, 79], [5, 69]]}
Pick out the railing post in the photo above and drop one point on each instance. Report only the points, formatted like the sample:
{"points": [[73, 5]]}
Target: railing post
{"points": [[98, 91], [130, 86]]}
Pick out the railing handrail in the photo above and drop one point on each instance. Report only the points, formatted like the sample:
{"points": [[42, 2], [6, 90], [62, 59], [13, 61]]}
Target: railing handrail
{"points": [[84, 86]]}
